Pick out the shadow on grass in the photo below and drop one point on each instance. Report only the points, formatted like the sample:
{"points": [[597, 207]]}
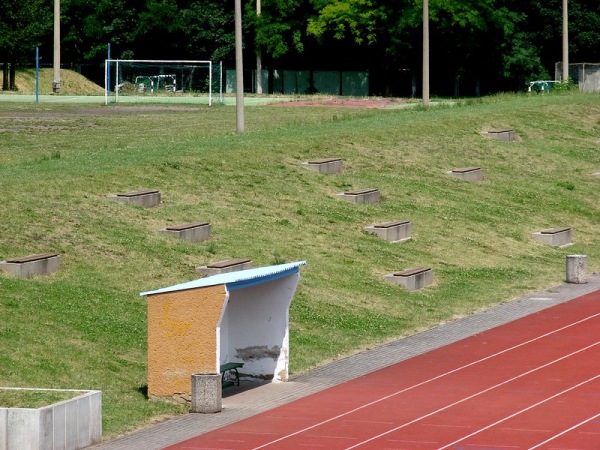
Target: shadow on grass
{"points": [[143, 390]]}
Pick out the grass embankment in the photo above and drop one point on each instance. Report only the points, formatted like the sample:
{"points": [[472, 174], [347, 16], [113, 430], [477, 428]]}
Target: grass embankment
{"points": [[85, 326], [71, 83]]}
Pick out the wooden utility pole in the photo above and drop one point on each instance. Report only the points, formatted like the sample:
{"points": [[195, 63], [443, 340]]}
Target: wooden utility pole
{"points": [[239, 69], [258, 58], [565, 43], [425, 52], [56, 63]]}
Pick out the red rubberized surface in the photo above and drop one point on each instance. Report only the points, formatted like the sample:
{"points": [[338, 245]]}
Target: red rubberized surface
{"points": [[531, 384]]}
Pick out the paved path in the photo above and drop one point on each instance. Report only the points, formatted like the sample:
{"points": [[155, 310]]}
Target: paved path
{"points": [[264, 397]]}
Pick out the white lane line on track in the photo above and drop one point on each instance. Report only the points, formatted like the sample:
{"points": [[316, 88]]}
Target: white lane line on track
{"points": [[521, 411], [374, 402], [565, 431], [475, 395]]}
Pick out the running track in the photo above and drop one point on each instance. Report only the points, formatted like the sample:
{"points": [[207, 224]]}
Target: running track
{"points": [[531, 384]]}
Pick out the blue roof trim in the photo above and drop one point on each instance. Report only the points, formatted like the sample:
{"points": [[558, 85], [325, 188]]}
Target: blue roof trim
{"points": [[265, 279], [235, 280]]}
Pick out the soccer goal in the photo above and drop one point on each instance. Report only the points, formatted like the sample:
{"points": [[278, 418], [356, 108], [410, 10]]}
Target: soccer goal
{"points": [[162, 81]]}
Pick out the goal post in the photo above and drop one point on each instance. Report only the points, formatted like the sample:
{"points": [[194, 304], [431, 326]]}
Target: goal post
{"points": [[170, 81]]}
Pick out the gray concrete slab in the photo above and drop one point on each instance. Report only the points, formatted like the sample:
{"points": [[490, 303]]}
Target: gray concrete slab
{"points": [[191, 232], [468, 173], [398, 231], [29, 266], [326, 166], [558, 237], [242, 403], [370, 195]]}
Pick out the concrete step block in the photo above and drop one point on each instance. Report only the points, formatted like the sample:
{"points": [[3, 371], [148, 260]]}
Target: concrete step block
{"points": [[558, 237], [361, 196], [468, 173], [230, 265], [28, 266], [398, 231], [502, 134], [326, 165], [412, 279], [147, 197], [189, 232]]}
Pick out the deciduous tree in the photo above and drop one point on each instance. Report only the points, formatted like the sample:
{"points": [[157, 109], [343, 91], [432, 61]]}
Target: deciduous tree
{"points": [[22, 25]]}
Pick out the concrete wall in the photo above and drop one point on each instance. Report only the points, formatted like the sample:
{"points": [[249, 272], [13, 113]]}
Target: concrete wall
{"points": [[589, 78], [68, 425], [586, 75], [182, 337]]}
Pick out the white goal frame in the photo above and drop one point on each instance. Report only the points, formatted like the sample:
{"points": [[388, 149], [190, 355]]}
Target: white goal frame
{"points": [[108, 62]]}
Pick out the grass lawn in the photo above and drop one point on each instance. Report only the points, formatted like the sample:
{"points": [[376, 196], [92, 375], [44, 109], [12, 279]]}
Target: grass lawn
{"points": [[84, 327], [31, 398]]}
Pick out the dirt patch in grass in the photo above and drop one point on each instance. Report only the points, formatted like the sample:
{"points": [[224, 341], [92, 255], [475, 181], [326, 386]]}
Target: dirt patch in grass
{"points": [[63, 119], [340, 102]]}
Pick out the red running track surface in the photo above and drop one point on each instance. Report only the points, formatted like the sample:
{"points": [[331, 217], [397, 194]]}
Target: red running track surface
{"points": [[531, 384]]}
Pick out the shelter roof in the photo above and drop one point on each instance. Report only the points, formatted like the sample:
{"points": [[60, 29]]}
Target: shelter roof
{"points": [[235, 280]]}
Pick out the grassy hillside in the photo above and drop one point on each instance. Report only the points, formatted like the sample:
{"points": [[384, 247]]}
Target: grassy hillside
{"points": [[85, 326], [71, 83]]}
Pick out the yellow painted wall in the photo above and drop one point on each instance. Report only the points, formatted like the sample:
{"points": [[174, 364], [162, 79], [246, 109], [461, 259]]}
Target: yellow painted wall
{"points": [[182, 338]]}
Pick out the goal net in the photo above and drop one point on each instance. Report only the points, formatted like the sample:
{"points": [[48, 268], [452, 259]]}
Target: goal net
{"points": [[162, 81]]}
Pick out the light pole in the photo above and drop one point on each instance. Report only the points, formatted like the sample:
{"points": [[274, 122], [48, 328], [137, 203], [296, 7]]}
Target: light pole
{"points": [[258, 58], [425, 52], [56, 62], [239, 69], [565, 43]]}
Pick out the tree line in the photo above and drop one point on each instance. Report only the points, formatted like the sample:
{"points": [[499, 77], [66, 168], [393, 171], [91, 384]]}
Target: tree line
{"points": [[477, 46]]}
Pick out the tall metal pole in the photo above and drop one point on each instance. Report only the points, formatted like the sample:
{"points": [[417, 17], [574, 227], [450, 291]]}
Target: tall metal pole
{"points": [[108, 69], [56, 63], [425, 52], [565, 43], [37, 74], [258, 58], [239, 69]]}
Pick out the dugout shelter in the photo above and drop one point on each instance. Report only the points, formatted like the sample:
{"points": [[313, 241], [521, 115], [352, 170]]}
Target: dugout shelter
{"points": [[198, 326]]}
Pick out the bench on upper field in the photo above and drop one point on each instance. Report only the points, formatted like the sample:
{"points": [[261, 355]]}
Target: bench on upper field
{"points": [[230, 375]]}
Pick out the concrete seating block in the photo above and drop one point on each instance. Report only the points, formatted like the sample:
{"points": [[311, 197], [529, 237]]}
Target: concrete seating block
{"points": [[326, 166], [361, 196], [502, 135], [189, 232], [412, 279], [468, 173], [28, 266], [557, 237], [398, 231], [230, 265], [147, 198]]}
